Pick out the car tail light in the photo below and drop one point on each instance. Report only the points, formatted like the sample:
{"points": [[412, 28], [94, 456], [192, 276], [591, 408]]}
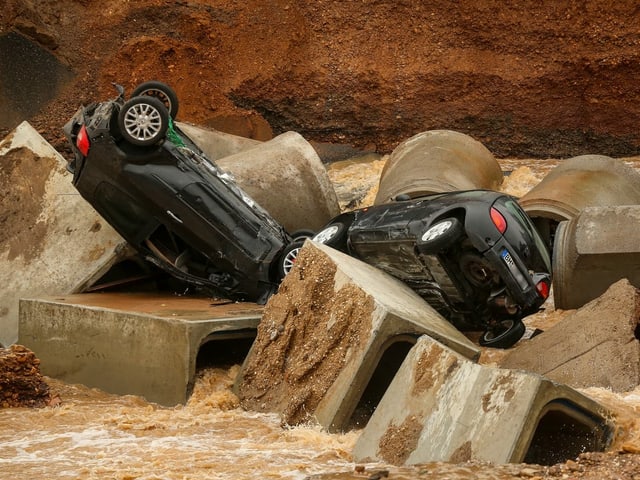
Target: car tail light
{"points": [[82, 141], [498, 220], [543, 288]]}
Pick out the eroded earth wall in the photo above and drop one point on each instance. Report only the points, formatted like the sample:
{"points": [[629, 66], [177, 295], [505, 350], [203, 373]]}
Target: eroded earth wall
{"points": [[529, 79]]}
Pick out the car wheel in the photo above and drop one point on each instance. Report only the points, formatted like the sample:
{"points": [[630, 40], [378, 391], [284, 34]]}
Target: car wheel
{"points": [[143, 121], [440, 235], [289, 256], [162, 92], [302, 234], [506, 334], [334, 235]]}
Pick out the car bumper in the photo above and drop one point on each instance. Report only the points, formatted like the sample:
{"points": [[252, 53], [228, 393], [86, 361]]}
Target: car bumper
{"points": [[517, 277]]}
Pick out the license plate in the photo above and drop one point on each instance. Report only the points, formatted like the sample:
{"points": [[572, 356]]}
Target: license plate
{"points": [[506, 256]]}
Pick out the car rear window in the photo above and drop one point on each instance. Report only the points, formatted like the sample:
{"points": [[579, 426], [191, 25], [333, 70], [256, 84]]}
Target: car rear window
{"points": [[524, 220]]}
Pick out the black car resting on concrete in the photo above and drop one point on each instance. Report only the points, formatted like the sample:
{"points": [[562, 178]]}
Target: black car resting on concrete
{"points": [[175, 206], [475, 255]]}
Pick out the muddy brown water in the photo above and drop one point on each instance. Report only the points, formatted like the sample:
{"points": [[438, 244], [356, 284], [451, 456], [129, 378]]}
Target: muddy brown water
{"points": [[95, 435]]}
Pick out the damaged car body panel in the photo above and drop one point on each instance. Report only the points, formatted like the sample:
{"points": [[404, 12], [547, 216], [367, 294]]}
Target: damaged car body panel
{"points": [[475, 256], [174, 205]]}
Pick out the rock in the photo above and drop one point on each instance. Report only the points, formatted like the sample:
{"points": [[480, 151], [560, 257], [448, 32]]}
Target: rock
{"points": [[596, 346], [21, 384]]}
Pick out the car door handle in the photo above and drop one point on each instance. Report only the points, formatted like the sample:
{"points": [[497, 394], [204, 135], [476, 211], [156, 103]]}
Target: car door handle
{"points": [[174, 216]]}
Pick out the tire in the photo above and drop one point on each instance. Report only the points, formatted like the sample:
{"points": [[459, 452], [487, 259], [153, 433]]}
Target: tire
{"points": [[143, 121], [333, 235], [288, 257], [162, 92], [302, 234], [440, 235], [507, 335]]}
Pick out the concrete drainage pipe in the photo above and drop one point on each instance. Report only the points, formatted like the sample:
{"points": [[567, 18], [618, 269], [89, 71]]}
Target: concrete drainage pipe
{"points": [[438, 161], [578, 183]]}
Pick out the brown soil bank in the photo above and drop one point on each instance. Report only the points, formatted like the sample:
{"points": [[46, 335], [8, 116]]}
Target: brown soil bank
{"points": [[533, 79]]}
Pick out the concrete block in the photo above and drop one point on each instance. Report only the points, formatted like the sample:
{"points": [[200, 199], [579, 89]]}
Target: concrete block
{"points": [[51, 240], [287, 178], [216, 144], [576, 184], [595, 346], [581, 182], [332, 338], [592, 251], [442, 407], [438, 161], [283, 175], [136, 344]]}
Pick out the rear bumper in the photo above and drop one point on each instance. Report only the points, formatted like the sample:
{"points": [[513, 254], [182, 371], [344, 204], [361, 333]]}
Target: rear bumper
{"points": [[516, 276]]}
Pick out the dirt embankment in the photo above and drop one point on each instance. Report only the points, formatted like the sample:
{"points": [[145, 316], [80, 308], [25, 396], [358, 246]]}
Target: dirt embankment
{"points": [[533, 79]]}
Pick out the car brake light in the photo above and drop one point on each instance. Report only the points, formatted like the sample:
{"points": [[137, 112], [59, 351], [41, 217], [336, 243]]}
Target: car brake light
{"points": [[498, 220], [543, 288], [82, 141]]}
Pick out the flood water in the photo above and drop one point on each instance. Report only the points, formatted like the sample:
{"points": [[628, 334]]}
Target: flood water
{"points": [[94, 435]]}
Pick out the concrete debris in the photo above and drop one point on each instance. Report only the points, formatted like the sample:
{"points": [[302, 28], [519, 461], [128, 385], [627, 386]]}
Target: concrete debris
{"points": [[287, 178], [438, 161], [594, 250], [284, 175], [216, 144], [576, 184], [341, 343], [333, 334], [442, 407], [581, 182], [595, 346], [130, 344], [52, 241]]}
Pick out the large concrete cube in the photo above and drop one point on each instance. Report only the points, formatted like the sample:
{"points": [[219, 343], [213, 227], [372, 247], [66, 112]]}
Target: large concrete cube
{"points": [[442, 407], [284, 175], [51, 240], [135, 344], [332, 338], [592, 251], [595, 346]]}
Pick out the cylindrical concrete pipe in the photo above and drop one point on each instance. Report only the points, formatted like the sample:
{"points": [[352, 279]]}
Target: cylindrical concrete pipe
{"points": [[216, 144], [438, 161], [595, 249], [577, 183], [286, 177]]}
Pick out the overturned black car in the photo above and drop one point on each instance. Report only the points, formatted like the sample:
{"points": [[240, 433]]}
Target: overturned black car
{"points": [[150, 182], [475, 256]]}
